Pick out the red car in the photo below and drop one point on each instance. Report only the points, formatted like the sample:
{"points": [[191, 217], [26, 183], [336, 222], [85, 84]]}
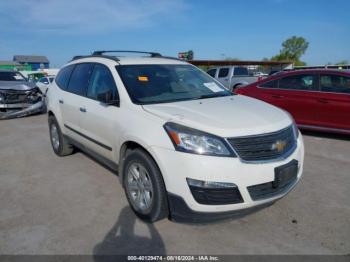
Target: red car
{"points": [[317, 99]]}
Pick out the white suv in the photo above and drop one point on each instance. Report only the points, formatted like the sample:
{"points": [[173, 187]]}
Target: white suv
{"points": [[183, 145]]}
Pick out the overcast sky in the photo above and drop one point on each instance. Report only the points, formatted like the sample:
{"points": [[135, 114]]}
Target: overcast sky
{"points": [[247, 30]]}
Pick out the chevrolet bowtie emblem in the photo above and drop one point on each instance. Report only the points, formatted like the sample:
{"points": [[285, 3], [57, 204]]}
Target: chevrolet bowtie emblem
{"points": [[279, 145]]}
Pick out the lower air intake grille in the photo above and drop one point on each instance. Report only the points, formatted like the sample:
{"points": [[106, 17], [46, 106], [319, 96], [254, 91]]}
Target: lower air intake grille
{"points": [[216, 196]]}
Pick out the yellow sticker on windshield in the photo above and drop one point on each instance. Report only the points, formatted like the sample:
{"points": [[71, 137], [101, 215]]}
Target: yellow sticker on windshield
{"points": [[143, 78]]}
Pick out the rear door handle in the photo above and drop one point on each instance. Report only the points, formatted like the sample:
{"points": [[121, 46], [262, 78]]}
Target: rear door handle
{"points": [[277, 96], [60, 101], [323, 100], [82, 109]]}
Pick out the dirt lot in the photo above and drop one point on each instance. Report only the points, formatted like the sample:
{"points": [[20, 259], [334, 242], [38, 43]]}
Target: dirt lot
{"points": [[73, 205]]}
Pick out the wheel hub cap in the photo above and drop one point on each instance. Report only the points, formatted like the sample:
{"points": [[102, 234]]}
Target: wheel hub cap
{"points": [[54, 137], [139, 187]]}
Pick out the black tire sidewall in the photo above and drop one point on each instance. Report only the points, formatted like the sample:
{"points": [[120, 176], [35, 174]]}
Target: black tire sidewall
{"points": [[158, 201], [53, 121]]}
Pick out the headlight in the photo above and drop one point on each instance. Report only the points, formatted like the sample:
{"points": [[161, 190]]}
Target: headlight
{"points": [[197, 142], [295, 128]]}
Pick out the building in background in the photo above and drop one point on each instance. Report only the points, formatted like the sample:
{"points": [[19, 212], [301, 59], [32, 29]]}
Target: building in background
{"points": [[36, 62], [11, 65]]}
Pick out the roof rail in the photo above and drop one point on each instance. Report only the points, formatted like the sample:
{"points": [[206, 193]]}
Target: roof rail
{"points": [[152, 54], [100, 56]]}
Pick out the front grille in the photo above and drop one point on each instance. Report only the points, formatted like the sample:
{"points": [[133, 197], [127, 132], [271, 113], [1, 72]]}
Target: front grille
{"points": [[216, 196], [19, 96], [265, 147]]}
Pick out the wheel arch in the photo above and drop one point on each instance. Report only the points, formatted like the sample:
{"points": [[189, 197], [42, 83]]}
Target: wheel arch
{"points": [[132, 145]]}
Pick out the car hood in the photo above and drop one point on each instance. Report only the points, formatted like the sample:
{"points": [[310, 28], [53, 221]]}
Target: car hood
{"points": [[224, 116], [16, 85]]}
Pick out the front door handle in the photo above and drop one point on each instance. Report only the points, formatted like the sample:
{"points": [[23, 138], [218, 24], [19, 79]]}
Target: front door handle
{"points": [[60, 101], [82, 109]]}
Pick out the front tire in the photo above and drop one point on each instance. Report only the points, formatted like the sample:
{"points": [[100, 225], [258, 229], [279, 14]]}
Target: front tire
{"points": [[144, 186], [59, 143]]}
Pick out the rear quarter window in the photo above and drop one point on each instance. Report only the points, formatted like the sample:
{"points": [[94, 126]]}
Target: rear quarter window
{"points": [[63, 76]]}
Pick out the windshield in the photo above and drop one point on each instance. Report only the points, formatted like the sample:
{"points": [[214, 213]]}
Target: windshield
{"points": [[151, 84], [11, 76]]}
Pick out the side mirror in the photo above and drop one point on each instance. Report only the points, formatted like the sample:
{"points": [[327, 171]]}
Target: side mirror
{"points": [[108, 99]]}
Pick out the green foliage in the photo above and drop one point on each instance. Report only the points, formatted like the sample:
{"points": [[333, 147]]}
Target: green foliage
{"points": [[292, 49]]}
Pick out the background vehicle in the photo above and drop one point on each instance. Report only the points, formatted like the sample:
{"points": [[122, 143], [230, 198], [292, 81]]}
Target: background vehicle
{"points": [[317, 99], [232, 77], [18, 97], [44, 83], [155, 120], [34, 77]]}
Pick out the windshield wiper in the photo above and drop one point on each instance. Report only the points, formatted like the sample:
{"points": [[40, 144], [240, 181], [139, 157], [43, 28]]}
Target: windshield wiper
{"points": [[212, 95]]}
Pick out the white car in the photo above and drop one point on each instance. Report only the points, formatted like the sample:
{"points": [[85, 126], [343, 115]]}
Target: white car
{"points": [[183, 145], [44, 83]]}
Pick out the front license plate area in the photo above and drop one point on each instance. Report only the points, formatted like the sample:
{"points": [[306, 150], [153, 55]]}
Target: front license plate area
{"points": [[285, 174]]}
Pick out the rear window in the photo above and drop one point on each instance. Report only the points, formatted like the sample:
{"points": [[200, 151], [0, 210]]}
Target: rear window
{"points": [[80, 78], [63, 76]]}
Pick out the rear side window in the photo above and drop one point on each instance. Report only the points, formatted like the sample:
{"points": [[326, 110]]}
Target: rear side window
{"points": [[223, 72], [212, 72], [241, 71], [101, 82], [270, 84], [80, 78], [63, 76], [335, 84], [305, 82]]}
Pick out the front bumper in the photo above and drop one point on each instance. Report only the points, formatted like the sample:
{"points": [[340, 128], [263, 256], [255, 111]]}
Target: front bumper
{"points": [[177, 166], [20, 110]]}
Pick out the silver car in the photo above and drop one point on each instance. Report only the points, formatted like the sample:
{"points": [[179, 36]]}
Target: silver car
{"points": [[18, 97]]}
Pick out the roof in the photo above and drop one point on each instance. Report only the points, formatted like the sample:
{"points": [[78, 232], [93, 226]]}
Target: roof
{"points": [[305, 71], [12, 63], [234, 62], [30, 59], [324, 67]]}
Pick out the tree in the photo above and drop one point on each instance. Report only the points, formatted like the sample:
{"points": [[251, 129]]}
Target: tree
{"points": [[343, 62], [292, 49]]}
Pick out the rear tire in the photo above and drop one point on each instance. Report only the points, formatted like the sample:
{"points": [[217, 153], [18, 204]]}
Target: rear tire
{"points": [[144, 186], [59, 143]]}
